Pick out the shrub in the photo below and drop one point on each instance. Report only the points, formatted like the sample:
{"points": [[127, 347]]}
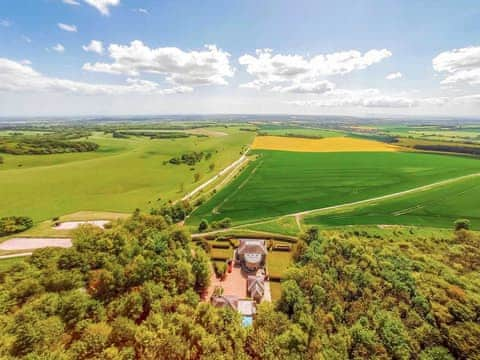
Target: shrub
{"points": [[220, 269], [462, 224], [203, 225], [222, 224], [14, 224]]}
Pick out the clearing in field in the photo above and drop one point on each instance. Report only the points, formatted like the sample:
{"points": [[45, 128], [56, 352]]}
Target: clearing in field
{"points": [[334, 144]]}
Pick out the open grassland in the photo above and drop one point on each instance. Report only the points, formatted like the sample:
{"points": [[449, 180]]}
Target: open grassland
{"points": [[280, 183], [437, 207], [434, 133], [123, 175], [282, 130], [334, 144]]}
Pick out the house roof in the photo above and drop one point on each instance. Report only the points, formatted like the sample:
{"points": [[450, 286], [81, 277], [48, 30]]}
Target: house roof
{"points": [[252, 246], [256, 286]]}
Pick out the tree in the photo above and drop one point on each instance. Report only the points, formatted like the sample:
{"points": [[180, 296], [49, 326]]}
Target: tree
{"points": [[311, 234], [211, 167], [462, 224], [203, 225], [196, 177], [201, 270]]}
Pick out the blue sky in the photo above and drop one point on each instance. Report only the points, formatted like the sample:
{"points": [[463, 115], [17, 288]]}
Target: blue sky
{"points": [[324, 57]]}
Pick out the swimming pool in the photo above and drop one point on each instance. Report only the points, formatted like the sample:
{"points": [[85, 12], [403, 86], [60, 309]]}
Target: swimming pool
{"points": [[247, 321]]}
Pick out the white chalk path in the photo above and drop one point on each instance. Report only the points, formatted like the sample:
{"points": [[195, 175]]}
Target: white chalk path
{"points": [[230, 167], [15, 255], [70, 225], [16, 244]]}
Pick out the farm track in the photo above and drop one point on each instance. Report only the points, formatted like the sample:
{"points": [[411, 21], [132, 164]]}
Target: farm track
{"points": [[229, 168], [299, 215]]}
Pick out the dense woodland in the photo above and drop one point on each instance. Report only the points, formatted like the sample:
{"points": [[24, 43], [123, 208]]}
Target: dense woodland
{"points": [[48, 143], [131, 292]]}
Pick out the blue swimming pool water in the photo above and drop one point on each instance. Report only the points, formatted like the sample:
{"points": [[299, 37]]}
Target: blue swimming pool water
{"points": [[247, 321]]}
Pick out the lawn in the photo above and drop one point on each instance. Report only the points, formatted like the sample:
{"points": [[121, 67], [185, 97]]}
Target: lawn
{"points": [[284, 225], [123, 175], [280, 183], [278, 262], [438, 207]]}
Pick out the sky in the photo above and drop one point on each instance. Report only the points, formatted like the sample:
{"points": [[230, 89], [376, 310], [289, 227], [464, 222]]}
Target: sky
{"points": [[147, 57]]}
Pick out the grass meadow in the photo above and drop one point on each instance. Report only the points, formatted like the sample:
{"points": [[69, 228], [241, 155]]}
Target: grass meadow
{"points": [[437, 207], [280, 182], [123, 175]]}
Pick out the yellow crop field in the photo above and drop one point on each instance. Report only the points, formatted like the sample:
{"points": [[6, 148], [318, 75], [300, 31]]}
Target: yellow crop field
{"points": [[334, 144]]}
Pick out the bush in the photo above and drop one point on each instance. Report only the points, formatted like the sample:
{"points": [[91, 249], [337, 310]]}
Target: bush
{"points": [[462, 224], [220, 269], [222, 224], [14, 224], [203, 225]]}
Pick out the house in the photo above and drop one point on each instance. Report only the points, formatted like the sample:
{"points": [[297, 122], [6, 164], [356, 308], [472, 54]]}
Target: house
{"points": [[251, 254], [256, 287]]}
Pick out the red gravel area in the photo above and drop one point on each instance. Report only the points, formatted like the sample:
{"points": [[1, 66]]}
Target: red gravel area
{"points": [[234, 284]]}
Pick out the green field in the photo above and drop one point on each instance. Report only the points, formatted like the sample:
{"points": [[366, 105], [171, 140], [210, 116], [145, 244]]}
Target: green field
{"points": [[283, 130], [440, 133], [280, 183], [438, 207], [123, 175]]}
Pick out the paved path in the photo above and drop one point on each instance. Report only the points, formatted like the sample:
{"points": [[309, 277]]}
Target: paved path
{"points": [[267, 296], [15, 255], [230, 167], [70, 225], [16, 244]]}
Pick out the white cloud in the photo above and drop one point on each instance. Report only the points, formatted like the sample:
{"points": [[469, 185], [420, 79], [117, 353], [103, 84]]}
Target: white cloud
{"points": [[66, 27], [103, 5], [268, 68], [459, 65], [26, 62], [141, 11], [195, 68], [26, 39], [368, 98], [319, 87], [5, 23], [16, 77], [393, 76], [71, 2], [94, 46], [59, 48]]}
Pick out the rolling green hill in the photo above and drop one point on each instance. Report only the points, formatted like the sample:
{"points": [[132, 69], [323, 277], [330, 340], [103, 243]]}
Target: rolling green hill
{"points": [[123, 175]]}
